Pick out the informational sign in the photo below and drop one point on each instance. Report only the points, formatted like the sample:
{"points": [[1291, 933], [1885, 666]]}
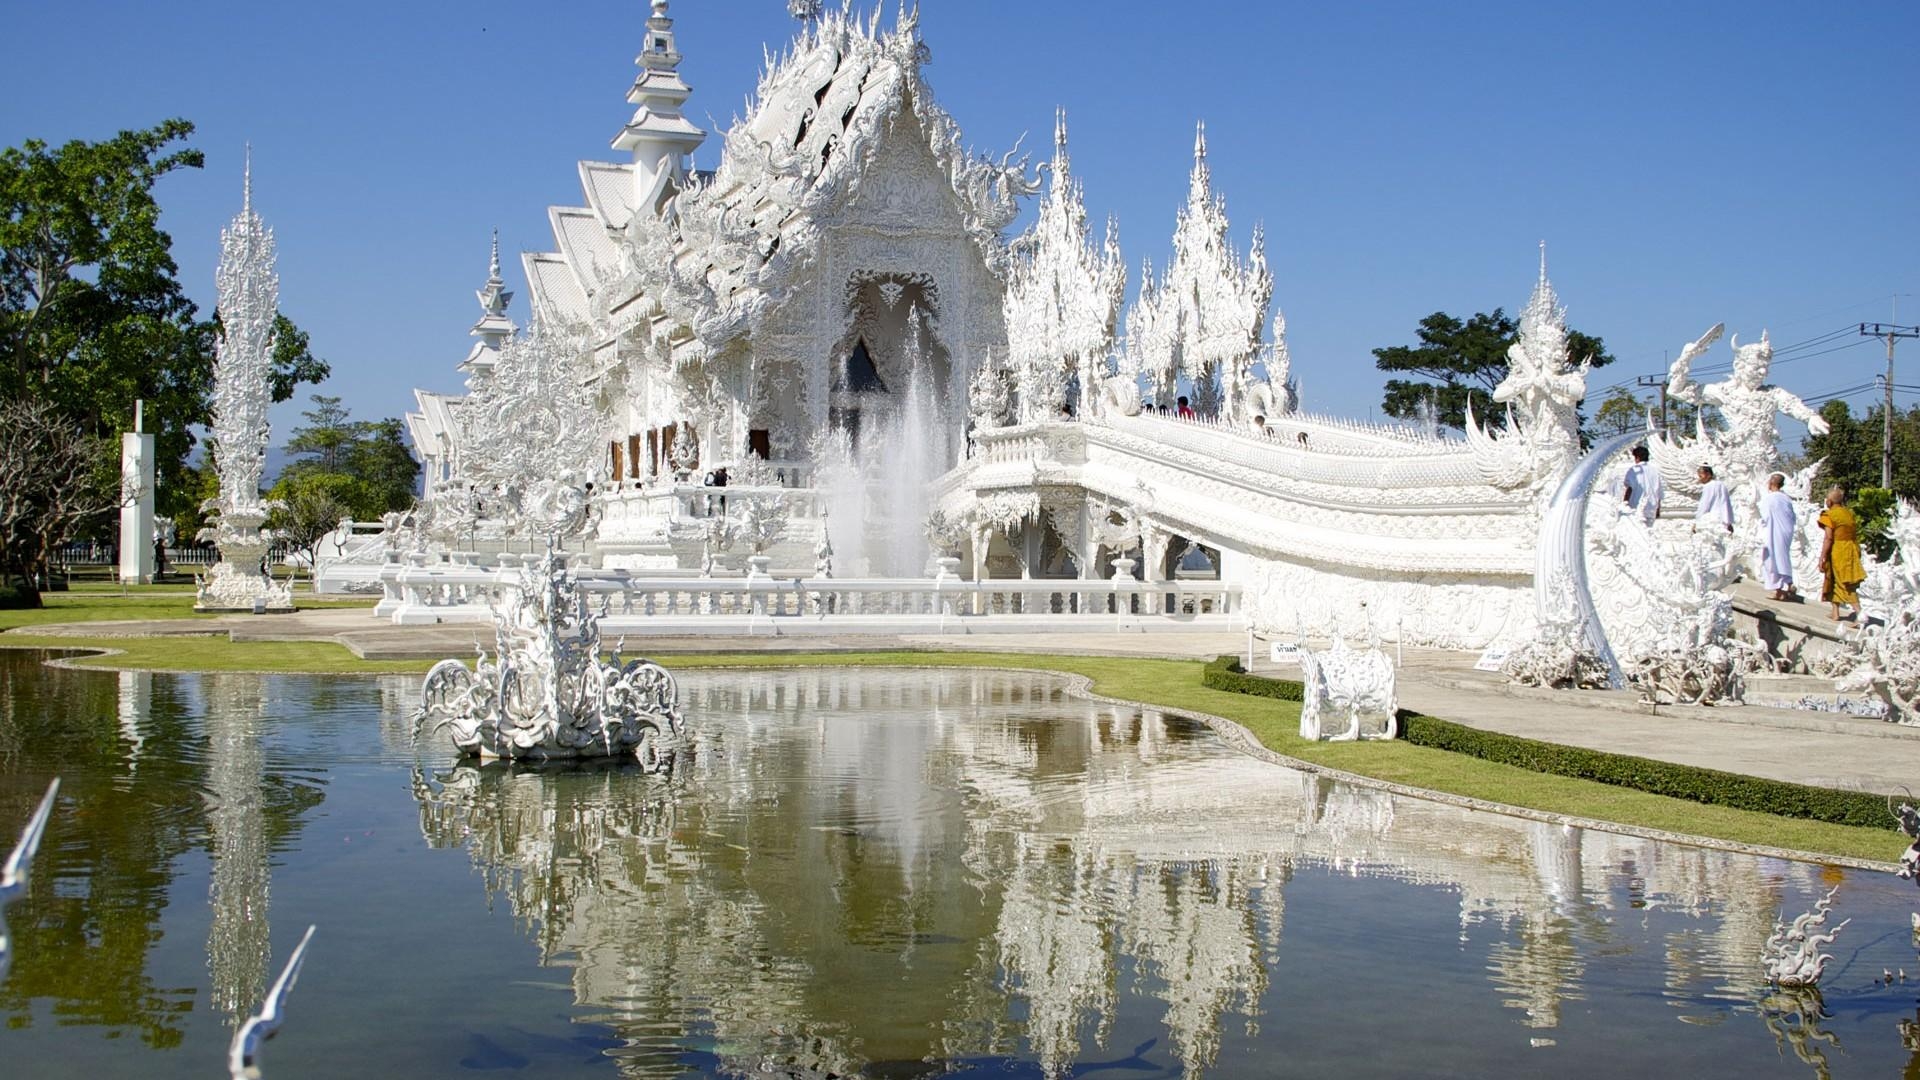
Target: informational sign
{"points": [[1285, 652], [1491, 660]]}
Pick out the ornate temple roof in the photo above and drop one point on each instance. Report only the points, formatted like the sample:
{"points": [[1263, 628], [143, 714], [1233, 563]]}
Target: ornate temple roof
{"points": [[737, 237]]}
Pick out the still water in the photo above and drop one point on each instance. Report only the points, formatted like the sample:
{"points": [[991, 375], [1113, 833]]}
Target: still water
{"points": [[863, 872]]}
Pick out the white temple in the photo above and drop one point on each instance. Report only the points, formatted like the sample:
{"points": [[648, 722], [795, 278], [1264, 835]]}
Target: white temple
{"points": [[840, 296]]}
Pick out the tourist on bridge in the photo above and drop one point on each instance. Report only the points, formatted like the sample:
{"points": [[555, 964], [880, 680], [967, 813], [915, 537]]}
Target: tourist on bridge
{"points": [[1644, 488], [1840, 554], [1777, 521], [1715, 507]]}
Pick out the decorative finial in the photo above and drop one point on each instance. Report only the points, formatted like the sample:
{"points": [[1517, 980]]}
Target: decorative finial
{"points": [[659, 9], [246, 182], [1059, 130], [1543, 260], [1200, 141], [493, 264], [807, 11]]}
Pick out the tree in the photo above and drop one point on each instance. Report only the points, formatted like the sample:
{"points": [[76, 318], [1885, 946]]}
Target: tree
{"points": [[1623, 411], [55, 479], [92, 315], [1849, 454], [1458, 362], [309, 507], [372, 454]]}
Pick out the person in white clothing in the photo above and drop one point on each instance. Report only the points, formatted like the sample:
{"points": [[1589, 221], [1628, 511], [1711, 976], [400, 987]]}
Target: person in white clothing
{"points": [[1715, 507], [1777, 521], [1644, 489]]}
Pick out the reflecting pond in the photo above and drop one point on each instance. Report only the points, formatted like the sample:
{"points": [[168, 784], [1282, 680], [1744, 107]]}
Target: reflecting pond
{"points": [[864, 872]]}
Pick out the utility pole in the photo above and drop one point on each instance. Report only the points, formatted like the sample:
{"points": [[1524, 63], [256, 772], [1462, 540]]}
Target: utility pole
{"points": [[1891, 332], [1659, 381]]}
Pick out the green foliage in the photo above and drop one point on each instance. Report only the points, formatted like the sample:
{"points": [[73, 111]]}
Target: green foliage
{"points": [[1874, 506], [1688, 782], [373, 455], [1226, 674], [311, 504], [92, 315], [1850, 451], [1623, 411], [1659, 777], [1457, 362]]}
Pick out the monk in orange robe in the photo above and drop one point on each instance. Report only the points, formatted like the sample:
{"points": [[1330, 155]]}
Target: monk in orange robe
{"points": [[1840, 554]]}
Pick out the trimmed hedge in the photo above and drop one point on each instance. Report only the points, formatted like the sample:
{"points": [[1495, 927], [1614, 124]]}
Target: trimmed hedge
{"points": [[1690, 782], [1227, 674]]}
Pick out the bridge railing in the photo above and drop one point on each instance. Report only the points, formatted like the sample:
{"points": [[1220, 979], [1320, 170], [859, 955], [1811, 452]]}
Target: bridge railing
{"points": [[418, 592]]}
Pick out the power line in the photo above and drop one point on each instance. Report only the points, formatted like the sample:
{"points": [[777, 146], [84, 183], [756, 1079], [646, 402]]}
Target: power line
{"points": [[1891, 332]]}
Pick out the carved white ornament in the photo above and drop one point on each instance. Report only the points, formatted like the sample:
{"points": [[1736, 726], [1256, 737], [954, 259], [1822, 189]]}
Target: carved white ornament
{"points": [[1063, 296], [1355, 686], [1200, 320], [1542, 392], [548, 691], [249, 290]]}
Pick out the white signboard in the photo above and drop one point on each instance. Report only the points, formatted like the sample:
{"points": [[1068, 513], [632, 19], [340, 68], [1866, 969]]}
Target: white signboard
{"points": [[1492, 658], [1285, 653]]}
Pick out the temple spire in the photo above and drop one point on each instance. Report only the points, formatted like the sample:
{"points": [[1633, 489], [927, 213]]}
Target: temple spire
{"points": [[246, 180], [1202, 180], [494, 328], [1543, 262], [658, 136]]}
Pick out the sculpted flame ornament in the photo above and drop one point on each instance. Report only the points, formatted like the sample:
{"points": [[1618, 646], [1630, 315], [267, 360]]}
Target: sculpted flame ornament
{"points": [[243, 367], [1792, 958]]}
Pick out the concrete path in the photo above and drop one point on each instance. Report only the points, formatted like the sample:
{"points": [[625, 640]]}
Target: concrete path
{"points": [[1826, 749]]}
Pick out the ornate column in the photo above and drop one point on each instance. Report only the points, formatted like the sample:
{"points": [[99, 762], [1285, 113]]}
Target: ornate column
{"points": [[249, 301]]}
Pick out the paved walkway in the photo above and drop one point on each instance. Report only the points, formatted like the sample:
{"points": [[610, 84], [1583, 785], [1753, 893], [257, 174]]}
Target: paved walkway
{"points": [[1826, 749]]}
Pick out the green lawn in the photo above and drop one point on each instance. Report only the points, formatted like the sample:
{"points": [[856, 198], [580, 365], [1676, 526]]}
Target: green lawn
{"points": [[1173, 684]]}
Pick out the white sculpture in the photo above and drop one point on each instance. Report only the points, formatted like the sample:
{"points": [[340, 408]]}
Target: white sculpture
{"points": [[1744, 453], [249, 291], [1672, 618], [1882, 656], [1063, 296], [1356, 685], [529, 424], [548, 691], [1792, 958], [243, 1054], [15, 872], [1542, 392]]}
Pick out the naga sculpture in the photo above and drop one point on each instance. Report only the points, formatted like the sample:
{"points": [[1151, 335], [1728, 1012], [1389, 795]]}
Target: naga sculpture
{"points": [[1792, 958], [1357, 684], [548, 691]]}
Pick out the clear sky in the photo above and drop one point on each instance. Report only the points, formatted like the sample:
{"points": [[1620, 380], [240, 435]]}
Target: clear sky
{"points": [[1755, 163]]}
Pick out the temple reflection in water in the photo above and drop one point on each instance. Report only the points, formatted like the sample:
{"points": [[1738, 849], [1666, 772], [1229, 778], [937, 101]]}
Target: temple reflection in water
{"points": [[854, 870]]}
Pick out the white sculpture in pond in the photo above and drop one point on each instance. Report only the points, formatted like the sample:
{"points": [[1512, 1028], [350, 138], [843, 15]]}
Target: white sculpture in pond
{"points": [[1792, 957], [1356, 685], [249, 302], [548, 691]]}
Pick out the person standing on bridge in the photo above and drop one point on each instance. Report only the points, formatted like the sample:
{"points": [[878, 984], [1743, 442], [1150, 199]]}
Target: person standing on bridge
{"points": [[1840, 554], [1777, 521], [1715, 507], [1644, 488]]}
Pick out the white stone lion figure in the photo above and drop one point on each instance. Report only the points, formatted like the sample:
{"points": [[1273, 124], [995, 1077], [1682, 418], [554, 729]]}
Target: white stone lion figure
{"points": [[1357, 684]]}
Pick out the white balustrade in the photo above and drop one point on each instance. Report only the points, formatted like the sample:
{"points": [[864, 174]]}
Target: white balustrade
{"points": [[423, 588]]}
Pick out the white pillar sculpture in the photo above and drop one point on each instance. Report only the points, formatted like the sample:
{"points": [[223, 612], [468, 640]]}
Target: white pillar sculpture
{"points": [[249, 301], [137, 565]]}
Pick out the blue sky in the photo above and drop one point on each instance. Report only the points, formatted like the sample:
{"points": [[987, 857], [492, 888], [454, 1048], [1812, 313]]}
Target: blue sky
{"points": [[1753, 163]]}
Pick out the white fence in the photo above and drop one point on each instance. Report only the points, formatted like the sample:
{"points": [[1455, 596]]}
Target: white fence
{"points": [[421, 590]]}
